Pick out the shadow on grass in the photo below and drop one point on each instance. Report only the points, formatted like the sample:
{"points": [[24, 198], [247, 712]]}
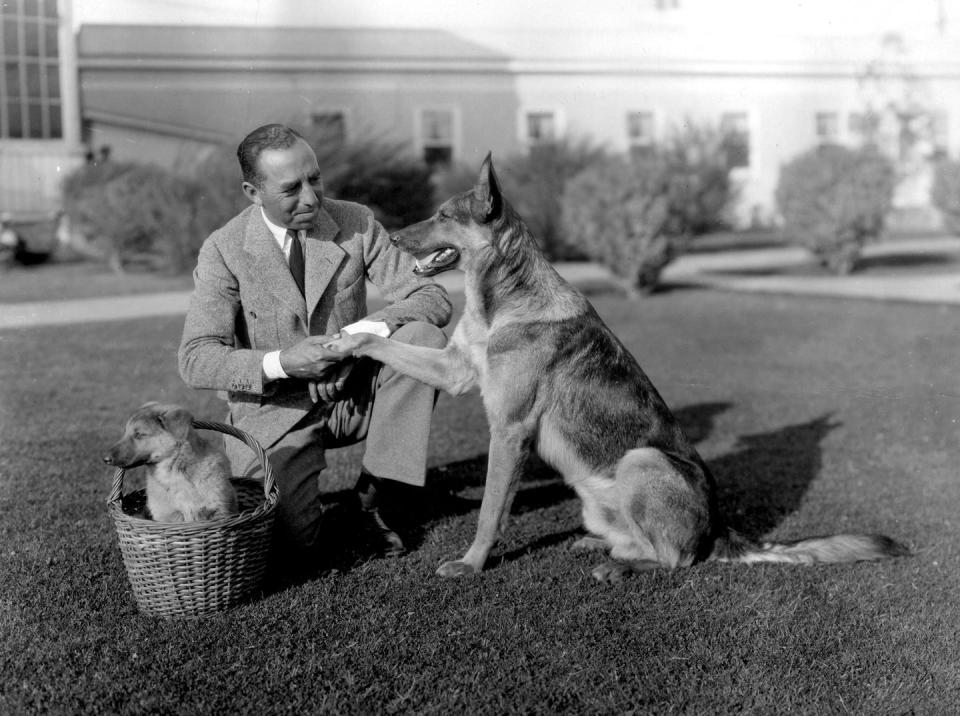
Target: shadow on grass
{"points": [[762, 481], [765, 478]]}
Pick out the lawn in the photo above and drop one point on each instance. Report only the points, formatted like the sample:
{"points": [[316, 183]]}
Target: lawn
{"points": [[816, 415]]}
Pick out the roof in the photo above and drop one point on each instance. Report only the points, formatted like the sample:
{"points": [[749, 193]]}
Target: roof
{"points": [[274, 43]]}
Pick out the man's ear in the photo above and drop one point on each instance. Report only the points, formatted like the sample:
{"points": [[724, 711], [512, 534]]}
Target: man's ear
{"points": [[487, 191], [177, 421], [251, 192]]}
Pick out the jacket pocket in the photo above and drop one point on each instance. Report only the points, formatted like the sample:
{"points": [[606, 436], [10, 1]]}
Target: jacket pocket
{"points": [[262, 328]]}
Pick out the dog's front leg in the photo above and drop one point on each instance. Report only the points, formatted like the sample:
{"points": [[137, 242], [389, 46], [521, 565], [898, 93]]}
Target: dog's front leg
{"points": [[443, 368], [509, 450]]}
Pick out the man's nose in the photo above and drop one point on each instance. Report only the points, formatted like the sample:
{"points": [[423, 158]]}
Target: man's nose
{"points": [[308, 197]]}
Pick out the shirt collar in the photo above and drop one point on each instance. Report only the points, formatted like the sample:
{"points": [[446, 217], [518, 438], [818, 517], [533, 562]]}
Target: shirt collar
{"points": [[279, 233]]}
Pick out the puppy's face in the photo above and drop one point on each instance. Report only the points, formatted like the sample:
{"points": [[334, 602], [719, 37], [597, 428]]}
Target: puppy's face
{"points": [[152, 434]]}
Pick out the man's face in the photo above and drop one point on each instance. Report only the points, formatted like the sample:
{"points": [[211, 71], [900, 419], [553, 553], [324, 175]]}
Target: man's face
{"points": [[292, 190]]}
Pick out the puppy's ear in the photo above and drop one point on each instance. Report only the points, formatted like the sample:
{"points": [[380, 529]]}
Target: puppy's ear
{"points": [[487, 192], [177, 421]]}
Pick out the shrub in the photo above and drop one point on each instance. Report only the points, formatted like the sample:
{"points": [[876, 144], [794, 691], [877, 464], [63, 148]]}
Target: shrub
{"points": [[380, 174], [624, 209], [834, 199], [534, 184], [450, 180], [698, 180], [945, 194]]}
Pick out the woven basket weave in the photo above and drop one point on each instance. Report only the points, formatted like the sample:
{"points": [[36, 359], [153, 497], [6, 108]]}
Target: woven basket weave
{"points": [[187, 569]]}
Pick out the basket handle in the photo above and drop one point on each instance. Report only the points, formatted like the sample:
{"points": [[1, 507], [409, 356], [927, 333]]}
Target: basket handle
{"points": [[117, 490]]}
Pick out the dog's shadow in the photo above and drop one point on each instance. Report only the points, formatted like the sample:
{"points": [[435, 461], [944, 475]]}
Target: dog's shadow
{"points": [[760, 482]]}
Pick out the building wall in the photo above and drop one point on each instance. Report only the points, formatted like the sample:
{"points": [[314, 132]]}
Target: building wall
{"points": [[167, 110]]}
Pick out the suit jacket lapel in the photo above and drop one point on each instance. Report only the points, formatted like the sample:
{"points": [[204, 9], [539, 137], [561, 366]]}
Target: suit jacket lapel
{"points": [[270, 266], [322, 256]]}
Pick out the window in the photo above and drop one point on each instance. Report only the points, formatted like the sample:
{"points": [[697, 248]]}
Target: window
{"points": [[30, 81], [541, 127], [641, 134], [329, 125], [437, 133], [827, 127], [735, 142], [940, 133]]}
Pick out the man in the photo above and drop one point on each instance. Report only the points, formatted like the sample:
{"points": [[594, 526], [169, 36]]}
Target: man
{"points": [[271, 288]]}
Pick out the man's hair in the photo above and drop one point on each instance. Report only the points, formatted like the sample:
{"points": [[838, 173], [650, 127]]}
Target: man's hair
{"points": [[269, 136]]}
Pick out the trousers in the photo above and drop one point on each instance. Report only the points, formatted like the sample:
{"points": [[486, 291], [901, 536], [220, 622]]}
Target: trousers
{"points": [[388, 410]]}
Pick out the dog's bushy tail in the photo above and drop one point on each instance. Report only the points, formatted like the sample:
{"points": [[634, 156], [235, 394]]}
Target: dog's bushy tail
{"points": [[734, 547]]}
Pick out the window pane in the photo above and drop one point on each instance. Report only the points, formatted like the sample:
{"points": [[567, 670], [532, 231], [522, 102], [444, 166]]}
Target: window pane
{"points": [[33, 79], [31, 38], [11, 73], [330, 126], [31, 8], [52, 40], [50, 8], [540, 127], [52, 73], [35, 118], [437, 125], [736, 139], [56, 121], [437, 156], [14, 120], [11, 41], [9, 7], [640, 127], [827, 126]]}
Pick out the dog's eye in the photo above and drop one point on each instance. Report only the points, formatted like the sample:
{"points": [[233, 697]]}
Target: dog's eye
{"points": [[138, 435], [443, 215]]}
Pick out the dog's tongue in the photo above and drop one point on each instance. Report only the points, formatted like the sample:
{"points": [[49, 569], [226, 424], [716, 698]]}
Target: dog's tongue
{"points": [[437, 259]]}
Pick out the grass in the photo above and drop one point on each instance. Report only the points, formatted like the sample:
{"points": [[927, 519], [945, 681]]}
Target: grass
{"points": [[816, 415], [81, 279]]}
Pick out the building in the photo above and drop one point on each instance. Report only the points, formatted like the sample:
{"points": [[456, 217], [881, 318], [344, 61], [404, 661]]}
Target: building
{"points": [[163, 94], [39, 111]]}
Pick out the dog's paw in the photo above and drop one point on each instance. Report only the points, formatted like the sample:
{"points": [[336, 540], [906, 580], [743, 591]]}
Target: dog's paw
{"points": [[455, 569], [610, 572], [591, 544], [348, 343]]}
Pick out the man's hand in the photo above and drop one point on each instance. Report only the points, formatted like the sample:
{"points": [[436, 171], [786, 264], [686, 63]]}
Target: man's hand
{"points": [[329, 389], [310, 359]]}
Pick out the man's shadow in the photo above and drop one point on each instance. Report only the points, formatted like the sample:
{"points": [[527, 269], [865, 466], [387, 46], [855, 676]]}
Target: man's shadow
{"points": [[759, 483]]}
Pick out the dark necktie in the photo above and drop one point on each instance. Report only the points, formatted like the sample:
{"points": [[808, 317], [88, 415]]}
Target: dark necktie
{"points": [[296, 259]]}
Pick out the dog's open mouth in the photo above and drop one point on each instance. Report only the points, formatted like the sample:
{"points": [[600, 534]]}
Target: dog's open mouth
{"points": [[437, 261]]}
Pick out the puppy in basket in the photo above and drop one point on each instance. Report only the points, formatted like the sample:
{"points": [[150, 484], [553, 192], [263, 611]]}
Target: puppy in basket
{"points": [[188, 478]]}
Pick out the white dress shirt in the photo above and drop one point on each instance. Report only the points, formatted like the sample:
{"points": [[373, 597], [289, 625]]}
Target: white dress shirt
{"points": [[271, 361]]}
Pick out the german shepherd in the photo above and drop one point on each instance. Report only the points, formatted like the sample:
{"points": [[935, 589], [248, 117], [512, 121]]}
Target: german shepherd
{"points": [[556, 381], [188, 478]]}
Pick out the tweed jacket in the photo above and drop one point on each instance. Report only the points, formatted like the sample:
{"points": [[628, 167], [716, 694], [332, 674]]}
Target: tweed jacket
{"points": [[245, 303]]}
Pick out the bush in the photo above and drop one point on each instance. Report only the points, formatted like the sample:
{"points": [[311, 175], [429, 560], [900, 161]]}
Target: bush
{"points": [[834, 199], [624, 210], [698, 179], [945, 194], [147, 215], [380, 174], [534, 184], [135, 213]]}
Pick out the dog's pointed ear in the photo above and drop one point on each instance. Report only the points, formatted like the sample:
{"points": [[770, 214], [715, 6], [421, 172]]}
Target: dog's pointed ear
{"points": [[176, 420], [487, 191]]}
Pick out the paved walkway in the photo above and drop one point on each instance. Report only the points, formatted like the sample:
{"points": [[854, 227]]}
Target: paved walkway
{"points": [[752, 271]]}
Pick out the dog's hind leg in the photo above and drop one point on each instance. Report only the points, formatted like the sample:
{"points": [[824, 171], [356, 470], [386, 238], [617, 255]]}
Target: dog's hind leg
{"points": [[662, 517], [509, 450]]}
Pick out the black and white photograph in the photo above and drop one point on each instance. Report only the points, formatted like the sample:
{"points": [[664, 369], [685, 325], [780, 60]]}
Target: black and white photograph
{"points": [[479, 357]]}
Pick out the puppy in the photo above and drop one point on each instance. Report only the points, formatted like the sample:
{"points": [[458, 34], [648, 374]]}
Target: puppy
{"points": [[188, 478]]}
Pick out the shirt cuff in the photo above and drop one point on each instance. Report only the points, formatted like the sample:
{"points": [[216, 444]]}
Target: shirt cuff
{"points": [[271, 366], [378, 328]]}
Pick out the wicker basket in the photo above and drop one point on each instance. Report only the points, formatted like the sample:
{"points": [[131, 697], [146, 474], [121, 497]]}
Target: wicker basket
{"points": [[186, 569]]}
